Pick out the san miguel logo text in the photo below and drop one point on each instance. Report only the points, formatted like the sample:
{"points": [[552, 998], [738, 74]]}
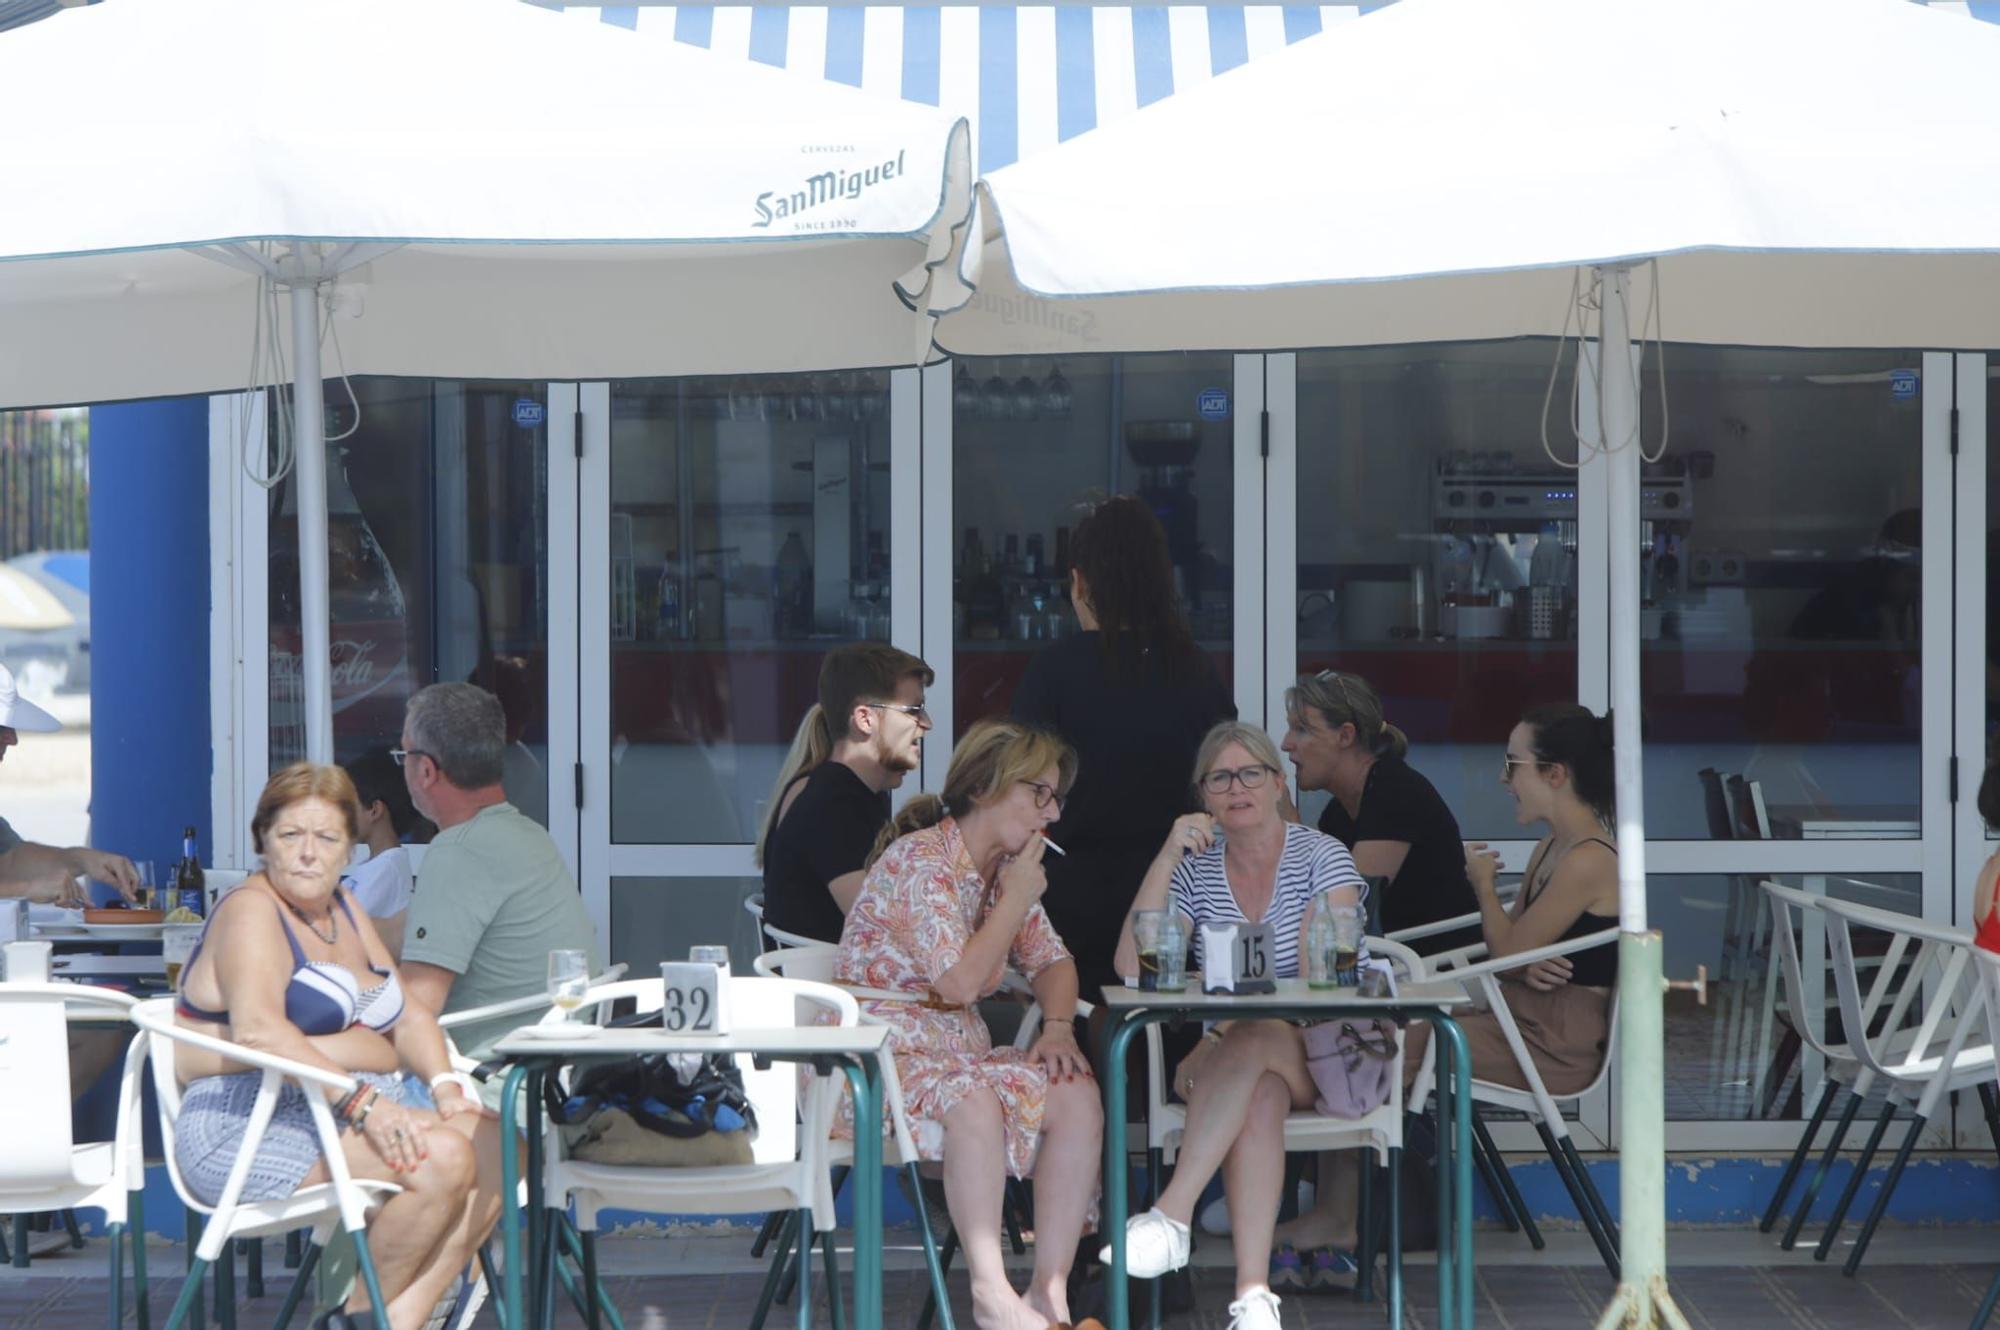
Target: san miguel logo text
{"points": [[819, 191]]}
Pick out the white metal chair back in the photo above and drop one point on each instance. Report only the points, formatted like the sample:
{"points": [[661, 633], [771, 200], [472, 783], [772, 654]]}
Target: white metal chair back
{"points": [[1789, 909], [343, 1196], [755, 1002], [1484, 979], [1952, 1008], [34, 1112]]}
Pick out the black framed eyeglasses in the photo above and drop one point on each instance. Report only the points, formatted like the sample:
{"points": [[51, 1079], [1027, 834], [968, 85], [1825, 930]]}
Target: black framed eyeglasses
{"points": [[915, 711], [1250, 778], [1045, 794], [401, 756]]}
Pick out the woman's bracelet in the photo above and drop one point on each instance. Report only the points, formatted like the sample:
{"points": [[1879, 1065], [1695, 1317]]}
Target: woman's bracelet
{"points": [[462, 1079], [356, 1119], [1070, 1021]]}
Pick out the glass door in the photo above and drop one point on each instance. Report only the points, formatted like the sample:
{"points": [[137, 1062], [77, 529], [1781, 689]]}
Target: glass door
{"points": [[734, 528]]}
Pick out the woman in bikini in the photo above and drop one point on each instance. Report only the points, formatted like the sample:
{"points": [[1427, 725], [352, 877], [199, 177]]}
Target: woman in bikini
{"points": [[288, 965]]}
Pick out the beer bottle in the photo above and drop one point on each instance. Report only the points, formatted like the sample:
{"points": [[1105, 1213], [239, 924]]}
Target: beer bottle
{"points": [[189, 883]]}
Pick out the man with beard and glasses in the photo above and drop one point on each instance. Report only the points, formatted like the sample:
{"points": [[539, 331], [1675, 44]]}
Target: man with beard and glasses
{"points": [[832, 795]]}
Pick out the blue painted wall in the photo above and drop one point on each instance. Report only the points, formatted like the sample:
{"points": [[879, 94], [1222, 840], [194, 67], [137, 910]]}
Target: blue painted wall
{"points": [[149, 552]]}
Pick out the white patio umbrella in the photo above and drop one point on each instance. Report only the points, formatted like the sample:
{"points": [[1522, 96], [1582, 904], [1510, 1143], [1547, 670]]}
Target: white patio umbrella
{"points": [[488, 189], [1805, 172]]}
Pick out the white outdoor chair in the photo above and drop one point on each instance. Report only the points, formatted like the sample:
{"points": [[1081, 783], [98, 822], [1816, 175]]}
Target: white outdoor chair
{"points": [[1305, 1131], [1790, 911], [1945, 1055], [789, 1165], [775, 938], [42, 1167], [342, 1201], [1542, 1108]]}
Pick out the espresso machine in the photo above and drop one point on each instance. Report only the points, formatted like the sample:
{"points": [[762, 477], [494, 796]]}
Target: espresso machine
{"points": [[1503, 561]]}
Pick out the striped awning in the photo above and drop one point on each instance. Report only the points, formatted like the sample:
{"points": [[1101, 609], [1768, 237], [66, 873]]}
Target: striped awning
{"points": [[1027, 76]]}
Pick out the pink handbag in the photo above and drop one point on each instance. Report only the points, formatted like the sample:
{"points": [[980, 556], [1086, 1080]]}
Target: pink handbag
{"points": [[1352, 1062]]}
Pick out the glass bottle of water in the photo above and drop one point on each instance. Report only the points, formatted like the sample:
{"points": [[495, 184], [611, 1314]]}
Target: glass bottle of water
{"points": [[1322, 938]]}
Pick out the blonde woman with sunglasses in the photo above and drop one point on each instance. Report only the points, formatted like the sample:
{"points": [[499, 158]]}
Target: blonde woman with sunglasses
{"points": [[1237, 861]]}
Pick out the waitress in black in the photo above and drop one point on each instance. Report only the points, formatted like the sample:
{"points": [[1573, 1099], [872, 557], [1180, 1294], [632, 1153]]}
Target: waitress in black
{"points": [[1133, 695], [1397, 826], [1391, 819]]}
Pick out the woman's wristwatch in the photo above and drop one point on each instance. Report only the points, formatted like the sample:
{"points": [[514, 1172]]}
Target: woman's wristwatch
{"points": [[463, 1079]]}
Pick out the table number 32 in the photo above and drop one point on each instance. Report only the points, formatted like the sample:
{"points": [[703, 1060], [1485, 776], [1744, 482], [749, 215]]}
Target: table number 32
{"points": [[695, 1001]]}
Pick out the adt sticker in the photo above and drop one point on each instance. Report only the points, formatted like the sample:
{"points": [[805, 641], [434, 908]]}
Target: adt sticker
{"points": [[1212, 403], [528, 413], [1903, 385]]}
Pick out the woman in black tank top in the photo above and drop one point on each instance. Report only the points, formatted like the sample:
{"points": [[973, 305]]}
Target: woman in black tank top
{"points": [[1558, 768]]}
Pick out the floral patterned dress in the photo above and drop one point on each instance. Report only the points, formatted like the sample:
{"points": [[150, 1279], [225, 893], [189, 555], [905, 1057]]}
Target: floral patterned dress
{"points": [[918, 908]]}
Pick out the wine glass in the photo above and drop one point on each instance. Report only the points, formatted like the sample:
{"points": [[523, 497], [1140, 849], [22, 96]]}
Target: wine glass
{"points": [[569, 979]]}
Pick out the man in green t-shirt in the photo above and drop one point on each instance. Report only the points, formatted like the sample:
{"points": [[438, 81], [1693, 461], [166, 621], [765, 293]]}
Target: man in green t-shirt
{"points": [[493, 896]]}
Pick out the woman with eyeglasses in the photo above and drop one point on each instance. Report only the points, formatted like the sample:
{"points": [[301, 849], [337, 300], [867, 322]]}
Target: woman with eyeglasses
{"points": [[1558, 767], [1133, 694], [1239, 861], [951, 902]]}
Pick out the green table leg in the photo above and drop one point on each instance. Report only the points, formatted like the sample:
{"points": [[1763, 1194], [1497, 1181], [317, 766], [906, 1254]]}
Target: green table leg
{"points": [[1117, 1314], [511, 1308], [865, 1078], [1452, 1040]]}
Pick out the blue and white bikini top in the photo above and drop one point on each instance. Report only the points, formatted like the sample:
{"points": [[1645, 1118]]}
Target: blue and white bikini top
{"points": [[323, 997]]}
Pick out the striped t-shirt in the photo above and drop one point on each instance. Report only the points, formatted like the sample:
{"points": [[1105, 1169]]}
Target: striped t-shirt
{"points": [[1311, 862]]}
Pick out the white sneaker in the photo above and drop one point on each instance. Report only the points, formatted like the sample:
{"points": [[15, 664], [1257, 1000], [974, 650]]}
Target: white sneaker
{"points": [[1154, 1245], [1255, 1310]]}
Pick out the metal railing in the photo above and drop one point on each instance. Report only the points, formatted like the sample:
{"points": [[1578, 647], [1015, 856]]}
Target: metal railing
{"points": [[44, 481]]}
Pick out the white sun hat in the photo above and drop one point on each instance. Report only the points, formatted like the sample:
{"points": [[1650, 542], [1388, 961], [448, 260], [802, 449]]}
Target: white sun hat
{"points": [[18, 713]]}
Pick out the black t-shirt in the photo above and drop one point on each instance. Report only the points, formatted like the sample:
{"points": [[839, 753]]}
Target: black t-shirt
{"points": [[1135, 739], [1398, 804], [828, 831]]}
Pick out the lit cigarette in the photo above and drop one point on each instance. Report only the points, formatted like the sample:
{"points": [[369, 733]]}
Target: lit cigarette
{"points": [[1053, 846]]}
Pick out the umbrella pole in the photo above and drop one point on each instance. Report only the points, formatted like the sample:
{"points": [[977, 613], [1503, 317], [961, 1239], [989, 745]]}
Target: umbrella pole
{"points": [[1642, 1299], [309, 436]]}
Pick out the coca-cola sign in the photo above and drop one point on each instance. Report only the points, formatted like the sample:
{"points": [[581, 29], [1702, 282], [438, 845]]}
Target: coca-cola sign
{"points": [[366, 659]]}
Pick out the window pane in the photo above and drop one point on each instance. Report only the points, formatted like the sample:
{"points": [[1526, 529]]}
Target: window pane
{"points": [[438, 568], [1737, 1059], [1037, 444], [749, 532], [656, 919], [1437, 550], [1782, 637]]}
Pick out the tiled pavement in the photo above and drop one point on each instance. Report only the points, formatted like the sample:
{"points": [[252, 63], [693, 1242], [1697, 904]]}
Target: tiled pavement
{"points": [[1916, 1280]]}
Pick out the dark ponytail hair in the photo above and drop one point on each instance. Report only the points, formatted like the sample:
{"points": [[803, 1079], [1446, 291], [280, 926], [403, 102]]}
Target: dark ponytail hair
{"points": [[1568, 735], [1121, 550]]}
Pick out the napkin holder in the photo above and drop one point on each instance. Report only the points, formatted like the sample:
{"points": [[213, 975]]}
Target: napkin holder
{"points": [[1236, 959]]}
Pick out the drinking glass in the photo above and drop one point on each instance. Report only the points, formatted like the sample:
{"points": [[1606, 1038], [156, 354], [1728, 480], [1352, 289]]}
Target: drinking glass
{"points": [[1350, 923], [1146, 926], [148, 885], [1172, 955], [569, 979], [710, 954]]}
